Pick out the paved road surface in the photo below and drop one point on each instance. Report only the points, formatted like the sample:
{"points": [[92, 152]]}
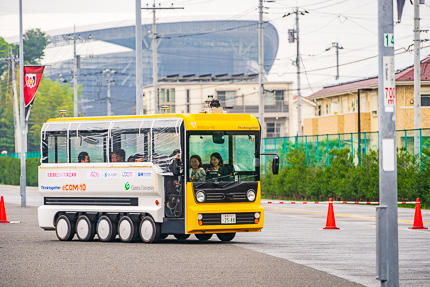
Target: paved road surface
{"points": [[294, 232], [32, 257]]}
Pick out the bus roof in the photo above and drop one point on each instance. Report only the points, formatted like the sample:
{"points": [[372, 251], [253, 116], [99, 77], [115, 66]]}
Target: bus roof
{"points": [[202, 121]]}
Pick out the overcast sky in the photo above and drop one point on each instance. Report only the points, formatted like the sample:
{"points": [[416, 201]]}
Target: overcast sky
{"points": [[352, 23]]}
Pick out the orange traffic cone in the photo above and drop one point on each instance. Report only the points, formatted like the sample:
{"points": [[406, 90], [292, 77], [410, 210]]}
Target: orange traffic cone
{"points": [[331, 222], [3, 218], [418, 219]]}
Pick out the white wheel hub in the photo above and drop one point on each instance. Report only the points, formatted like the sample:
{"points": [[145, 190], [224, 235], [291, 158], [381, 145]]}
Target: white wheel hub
{"points": [[103, 229], [62, 228], [82, 228], [124, 229], [146, 230]]}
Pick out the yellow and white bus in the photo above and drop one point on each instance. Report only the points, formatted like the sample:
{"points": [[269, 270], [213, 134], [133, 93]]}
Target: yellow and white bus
{"points": [[147, 177]]}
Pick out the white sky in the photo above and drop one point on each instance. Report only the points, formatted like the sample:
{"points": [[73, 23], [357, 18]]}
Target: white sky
{"points": [[352, 23]]}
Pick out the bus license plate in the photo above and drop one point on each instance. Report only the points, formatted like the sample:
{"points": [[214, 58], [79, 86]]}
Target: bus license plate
{"points": [[228, 218]]}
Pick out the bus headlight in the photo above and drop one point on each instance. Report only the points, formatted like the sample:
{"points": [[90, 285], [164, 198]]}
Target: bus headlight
{"points": [[200, 216], [200, 196], [250, 194], [257, 215]]}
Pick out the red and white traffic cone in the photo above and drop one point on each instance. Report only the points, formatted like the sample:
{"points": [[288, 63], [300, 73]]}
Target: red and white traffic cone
{"points": [[3, 217]]}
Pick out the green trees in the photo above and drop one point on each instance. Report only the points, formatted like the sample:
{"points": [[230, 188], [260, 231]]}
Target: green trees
{"points": [[35, 42], [343, 180]]}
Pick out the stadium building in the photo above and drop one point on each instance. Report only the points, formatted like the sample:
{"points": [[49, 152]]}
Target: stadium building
{"points": [[107, 57]]}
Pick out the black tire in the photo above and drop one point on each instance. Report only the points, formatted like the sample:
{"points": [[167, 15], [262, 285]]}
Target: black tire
{"points": [[149, 231], [163, 236], [106, 230], [204, 237], [182, 236], [64, 228], [226, 236], [85, 229], [127, 229]]}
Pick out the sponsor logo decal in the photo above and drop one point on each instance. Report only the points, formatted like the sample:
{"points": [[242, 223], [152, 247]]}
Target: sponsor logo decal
{"points": [[144, 174], [61, 174], [126, 174], [111, 174], [127, 186], [45, 187], [93, 174], [141, 187], [74, 187]]}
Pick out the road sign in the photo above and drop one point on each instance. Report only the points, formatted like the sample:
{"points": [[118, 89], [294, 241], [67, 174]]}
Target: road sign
{"points": [[389, 84]]}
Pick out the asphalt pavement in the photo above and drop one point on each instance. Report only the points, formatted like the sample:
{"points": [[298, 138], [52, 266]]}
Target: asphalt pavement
{"points": [[33, 257]]}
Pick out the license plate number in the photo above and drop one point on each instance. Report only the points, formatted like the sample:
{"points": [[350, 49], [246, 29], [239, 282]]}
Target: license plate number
{"points": [[228, 218]]}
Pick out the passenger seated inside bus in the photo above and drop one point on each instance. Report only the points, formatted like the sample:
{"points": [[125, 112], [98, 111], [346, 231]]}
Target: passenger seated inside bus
{"points": [[118, 155], [131, 158], [139, 157], [217, 171], [83, 157], [197, 173]]}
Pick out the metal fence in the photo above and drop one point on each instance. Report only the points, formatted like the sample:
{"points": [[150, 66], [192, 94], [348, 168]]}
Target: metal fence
{"points": [[317, 148], [32, 154]]}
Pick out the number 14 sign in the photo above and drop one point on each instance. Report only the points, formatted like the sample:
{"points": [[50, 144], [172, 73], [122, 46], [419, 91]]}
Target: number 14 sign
{"points": [[389, 84]]}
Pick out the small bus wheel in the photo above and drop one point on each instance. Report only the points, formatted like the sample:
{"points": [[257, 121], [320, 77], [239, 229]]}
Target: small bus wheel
{"points": [[85, 229], [204, 237], [106, 230], [127, 230], [181, 236], [226, 236], [149, 230], [64, 228]]}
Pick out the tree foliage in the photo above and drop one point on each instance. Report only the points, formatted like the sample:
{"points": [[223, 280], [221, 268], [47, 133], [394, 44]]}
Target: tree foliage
{"points": [[35, 42]]}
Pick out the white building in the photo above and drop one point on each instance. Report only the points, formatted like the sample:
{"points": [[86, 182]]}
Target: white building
{"points": [[237, 94]]}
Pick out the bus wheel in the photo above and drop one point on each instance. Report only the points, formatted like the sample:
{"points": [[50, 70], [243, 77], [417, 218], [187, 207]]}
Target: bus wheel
{"points": [[181, 236], [226, 236], [64, 228], [85, 229], [106, 230], [203, 237], [126, 229], [149, 230]]}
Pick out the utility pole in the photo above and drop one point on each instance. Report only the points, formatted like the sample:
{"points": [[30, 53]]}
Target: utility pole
{"points": [[417, 79], [387, 248], [22, 179], [15, 106], [297, 11], [336, 46], [261, 68], [154, 53], [75, 76], [139, 77], [109, 80]]}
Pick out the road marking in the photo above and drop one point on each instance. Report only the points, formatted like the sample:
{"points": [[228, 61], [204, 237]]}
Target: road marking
{"points": [[372, 218]]}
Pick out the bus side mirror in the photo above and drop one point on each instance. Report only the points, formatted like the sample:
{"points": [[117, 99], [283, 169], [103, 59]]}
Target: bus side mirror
{"points": [[275, 165]]}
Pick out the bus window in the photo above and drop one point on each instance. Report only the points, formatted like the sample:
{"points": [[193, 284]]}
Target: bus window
{"points": [[134, 142], [57, 147], [237, 150], [92, 142], [165, 141]]}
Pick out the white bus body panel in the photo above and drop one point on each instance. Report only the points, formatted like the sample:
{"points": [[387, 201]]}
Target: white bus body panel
{"points": [[143, 181]]}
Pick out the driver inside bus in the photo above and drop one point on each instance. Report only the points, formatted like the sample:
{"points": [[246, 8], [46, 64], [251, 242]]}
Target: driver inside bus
{"points": [[83, 157], [118, 155], [217, 170]]}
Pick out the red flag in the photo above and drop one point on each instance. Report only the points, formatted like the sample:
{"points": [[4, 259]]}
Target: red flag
{"points": [[32, 76]]}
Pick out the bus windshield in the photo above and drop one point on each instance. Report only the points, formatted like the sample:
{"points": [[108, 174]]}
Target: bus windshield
{"points": [[223, 156]]}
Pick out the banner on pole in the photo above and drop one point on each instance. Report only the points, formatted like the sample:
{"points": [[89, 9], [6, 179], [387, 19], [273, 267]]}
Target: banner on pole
{"points": [[32, 76]]}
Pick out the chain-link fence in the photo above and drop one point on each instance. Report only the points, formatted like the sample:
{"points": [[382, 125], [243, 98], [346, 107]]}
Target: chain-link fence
{"points": [[317, 148]]}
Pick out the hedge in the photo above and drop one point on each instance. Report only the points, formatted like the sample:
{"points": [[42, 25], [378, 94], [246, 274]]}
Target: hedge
{"points": [[10, 170], [303, 179]]}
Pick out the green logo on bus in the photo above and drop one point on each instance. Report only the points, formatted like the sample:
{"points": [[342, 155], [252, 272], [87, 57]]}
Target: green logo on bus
{"points": [[127, 186]]}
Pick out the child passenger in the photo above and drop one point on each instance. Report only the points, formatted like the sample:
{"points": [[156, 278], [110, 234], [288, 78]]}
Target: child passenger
{"points": [[197, 173]]}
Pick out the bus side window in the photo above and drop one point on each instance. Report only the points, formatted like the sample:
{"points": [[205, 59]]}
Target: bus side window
{"points": [[165, 141], [92, 142], [134, 142], [56, 145]]}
